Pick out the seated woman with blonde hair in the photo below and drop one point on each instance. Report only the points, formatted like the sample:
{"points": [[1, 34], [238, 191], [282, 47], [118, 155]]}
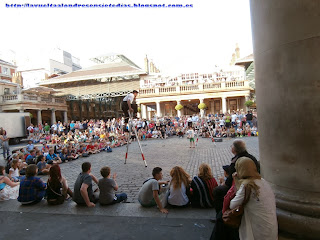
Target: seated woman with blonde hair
{"points": [[259, 220], [179, 186], [202, 188]]}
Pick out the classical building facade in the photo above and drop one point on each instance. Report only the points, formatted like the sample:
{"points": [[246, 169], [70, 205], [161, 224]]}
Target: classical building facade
{"points": [[40, 102], [97, 91], [222, 90]]}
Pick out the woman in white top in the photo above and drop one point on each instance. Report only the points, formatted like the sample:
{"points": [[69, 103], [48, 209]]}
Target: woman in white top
{"points": [[259, 220], [179, 185], [8, 189], [14, 171]]}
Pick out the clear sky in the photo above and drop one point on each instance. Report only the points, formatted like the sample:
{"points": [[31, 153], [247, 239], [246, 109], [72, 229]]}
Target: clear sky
{"points": [[178, 40]]}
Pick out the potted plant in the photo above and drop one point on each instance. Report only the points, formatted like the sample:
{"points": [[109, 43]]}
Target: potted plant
{"points": [[178, 107]]}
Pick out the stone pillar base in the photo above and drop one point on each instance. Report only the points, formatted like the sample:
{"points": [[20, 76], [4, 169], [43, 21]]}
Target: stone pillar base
{"points": [[299, 225], [298, 212]]}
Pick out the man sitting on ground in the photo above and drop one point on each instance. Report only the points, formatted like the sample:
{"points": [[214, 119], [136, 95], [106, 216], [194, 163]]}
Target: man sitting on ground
{"points": [[149, 193], [32, 189], [83, 193]]}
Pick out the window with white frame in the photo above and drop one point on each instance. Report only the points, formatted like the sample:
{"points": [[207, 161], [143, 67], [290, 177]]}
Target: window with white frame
{"points": [[6, 91], [5, 70]]}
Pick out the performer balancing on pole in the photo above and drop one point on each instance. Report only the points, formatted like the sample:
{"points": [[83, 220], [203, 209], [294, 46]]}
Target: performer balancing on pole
{"points": [[129, 103], [129, 108]]}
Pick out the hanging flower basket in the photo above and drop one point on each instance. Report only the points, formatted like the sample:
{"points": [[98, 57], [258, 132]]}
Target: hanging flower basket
{"points": [[178, 107], [202, 106]]}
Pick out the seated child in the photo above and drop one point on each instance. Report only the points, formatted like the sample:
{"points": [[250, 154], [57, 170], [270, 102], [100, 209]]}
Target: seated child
{"points": [[254, 131], [149, 134], [102, 145], [45, 146], [42, 165], [232, 132], [30, 146], [91, 148], [226, 172], [45, 152], [71, 153], [53, 158], [96, 147], [32, 189], [108, 186], [48, 138], [180, 133], [31, 158], [155, 133], [14, 171], [82, 151], [239, 132]]}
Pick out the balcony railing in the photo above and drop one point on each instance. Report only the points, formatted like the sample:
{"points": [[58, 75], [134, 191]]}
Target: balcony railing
{"points": [[13, 97], [234, 84], [198, 88], [147, 91], [30, 98], [167, 89], [211, 85], [188, 88]]}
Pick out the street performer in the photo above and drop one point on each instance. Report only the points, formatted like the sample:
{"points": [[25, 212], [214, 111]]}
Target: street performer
{"points": [[129, 103]]}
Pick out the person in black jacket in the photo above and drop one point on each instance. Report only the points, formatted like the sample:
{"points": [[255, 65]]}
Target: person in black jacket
{"points": [[222, 231], [239, 150], [249, 118]]}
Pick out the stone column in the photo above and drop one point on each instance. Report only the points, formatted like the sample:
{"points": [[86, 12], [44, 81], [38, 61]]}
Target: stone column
{"points": [[224, 104], [39, 116], [143, 111], [247, 98], [286, 37], [228, 105], [179, 111], [65, 116], [53, 116], [71, 109], [212, 107], [237, 104], [158, 109], [201, 110], [80, 110]]}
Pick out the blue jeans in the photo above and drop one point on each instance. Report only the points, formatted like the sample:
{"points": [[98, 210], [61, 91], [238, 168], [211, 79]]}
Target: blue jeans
{"points": [[250, 123], [120, 197], [6, 151]]}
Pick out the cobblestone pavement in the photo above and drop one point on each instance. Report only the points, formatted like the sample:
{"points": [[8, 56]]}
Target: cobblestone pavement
{"points": [[163, 153]]}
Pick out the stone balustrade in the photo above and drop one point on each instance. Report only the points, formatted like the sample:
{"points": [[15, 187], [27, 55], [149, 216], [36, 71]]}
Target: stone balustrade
{"points": [[203, 87], [13, 97], [33, 98]]}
